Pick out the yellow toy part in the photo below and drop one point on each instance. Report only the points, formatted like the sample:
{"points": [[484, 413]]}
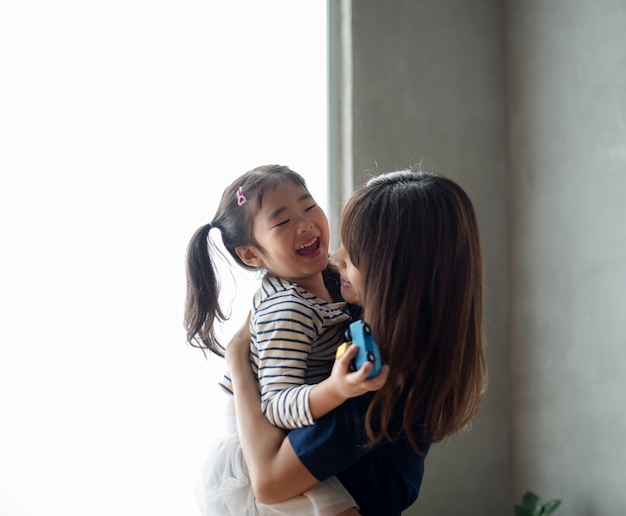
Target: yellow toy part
{"points": [[342, 349]]}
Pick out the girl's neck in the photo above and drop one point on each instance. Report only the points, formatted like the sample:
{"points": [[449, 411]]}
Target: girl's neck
{"points": [[315, 285]]}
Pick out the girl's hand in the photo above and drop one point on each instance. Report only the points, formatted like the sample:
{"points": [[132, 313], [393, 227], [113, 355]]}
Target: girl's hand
{"points": [[238, 348], [343, 384], [349, 384]]}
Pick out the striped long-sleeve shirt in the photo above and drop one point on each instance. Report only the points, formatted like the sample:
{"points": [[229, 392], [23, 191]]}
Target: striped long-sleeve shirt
{"points": [[294, 338]]}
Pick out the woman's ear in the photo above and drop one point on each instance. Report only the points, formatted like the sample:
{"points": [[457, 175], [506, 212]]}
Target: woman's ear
{"points": [[249, 255]]}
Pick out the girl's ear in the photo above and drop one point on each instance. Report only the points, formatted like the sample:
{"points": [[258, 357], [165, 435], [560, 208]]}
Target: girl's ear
{"points": [[249, 255]]}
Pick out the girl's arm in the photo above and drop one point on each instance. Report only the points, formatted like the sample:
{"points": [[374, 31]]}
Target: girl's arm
{"points": [[276, 472], [284, 343], [342, 385]]}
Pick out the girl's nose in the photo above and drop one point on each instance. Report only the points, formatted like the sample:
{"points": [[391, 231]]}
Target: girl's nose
{"points": [[305, 225]]}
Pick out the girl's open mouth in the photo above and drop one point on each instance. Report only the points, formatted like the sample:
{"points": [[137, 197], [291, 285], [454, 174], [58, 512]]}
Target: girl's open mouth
{"points": [[309, 248]]}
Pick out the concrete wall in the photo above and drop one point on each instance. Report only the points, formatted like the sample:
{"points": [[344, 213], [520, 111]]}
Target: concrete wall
{"points": [[525, 105], [567, 100]]}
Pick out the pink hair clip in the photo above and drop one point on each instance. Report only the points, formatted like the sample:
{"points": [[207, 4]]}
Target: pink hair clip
{"points": [[241, 198]]}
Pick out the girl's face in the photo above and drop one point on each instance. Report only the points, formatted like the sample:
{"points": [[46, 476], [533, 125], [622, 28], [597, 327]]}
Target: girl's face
{"points": [[351, 279], [292, 231]]}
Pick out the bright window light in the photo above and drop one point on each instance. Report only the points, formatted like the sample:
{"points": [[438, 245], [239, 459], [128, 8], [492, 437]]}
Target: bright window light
{"points": [[121, 122]]}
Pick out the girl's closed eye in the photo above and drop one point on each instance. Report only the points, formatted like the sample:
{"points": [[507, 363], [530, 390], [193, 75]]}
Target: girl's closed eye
{"points": [[281, 223], [311, 207]]}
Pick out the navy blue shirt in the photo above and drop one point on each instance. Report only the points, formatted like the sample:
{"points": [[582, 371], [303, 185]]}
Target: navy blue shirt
{"points": [[384, 480]]}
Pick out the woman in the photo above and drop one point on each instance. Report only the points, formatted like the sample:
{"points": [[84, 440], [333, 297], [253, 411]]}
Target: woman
{"points": [[411, 259]]}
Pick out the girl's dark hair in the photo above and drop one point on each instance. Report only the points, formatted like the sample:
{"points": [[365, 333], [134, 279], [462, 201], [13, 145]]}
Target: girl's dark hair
{"points": [[234, 219], [414, 238]]}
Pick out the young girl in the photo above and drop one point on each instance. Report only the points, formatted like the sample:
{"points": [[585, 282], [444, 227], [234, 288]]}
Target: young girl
{"points": [[269, 220], [411, 258]]}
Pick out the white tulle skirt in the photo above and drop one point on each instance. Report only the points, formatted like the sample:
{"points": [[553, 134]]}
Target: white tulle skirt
{"points": [[224, 489]]}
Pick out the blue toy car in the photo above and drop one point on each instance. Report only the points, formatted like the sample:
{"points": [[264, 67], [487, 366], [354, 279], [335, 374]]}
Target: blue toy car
{"points": [[360, 333]]}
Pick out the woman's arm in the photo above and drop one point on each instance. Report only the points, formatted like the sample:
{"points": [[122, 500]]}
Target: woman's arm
{"points": [[276, 472]]}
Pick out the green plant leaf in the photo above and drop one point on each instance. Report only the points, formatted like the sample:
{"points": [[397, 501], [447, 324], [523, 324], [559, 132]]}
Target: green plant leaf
{"points": [[518, 510], [550, 507], [530, 502]]}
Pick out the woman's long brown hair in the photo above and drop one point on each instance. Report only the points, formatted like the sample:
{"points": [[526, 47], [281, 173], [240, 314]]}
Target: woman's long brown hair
{"points": [[414, 238]]}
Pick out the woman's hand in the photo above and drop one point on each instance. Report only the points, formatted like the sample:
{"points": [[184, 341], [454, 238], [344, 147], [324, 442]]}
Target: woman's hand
{"points": [[238, 348]]}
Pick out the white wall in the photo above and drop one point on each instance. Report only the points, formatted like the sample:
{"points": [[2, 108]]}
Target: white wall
{"points": [[120, 124]]}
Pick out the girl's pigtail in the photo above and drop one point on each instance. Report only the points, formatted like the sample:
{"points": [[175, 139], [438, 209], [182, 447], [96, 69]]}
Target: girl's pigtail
{"points": [[202, 303]]}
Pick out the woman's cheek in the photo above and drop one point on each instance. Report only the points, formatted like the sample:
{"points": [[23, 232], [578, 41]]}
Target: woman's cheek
{"points": [[350, 295]]}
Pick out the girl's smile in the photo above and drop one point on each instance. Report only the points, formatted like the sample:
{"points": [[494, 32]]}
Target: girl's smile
{"points": [[310, 248], [292, 235]]}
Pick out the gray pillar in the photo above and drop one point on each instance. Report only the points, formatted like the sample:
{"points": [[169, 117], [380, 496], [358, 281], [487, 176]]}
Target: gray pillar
{"points": [[567, 104], [341, 170], [428, 85]]}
